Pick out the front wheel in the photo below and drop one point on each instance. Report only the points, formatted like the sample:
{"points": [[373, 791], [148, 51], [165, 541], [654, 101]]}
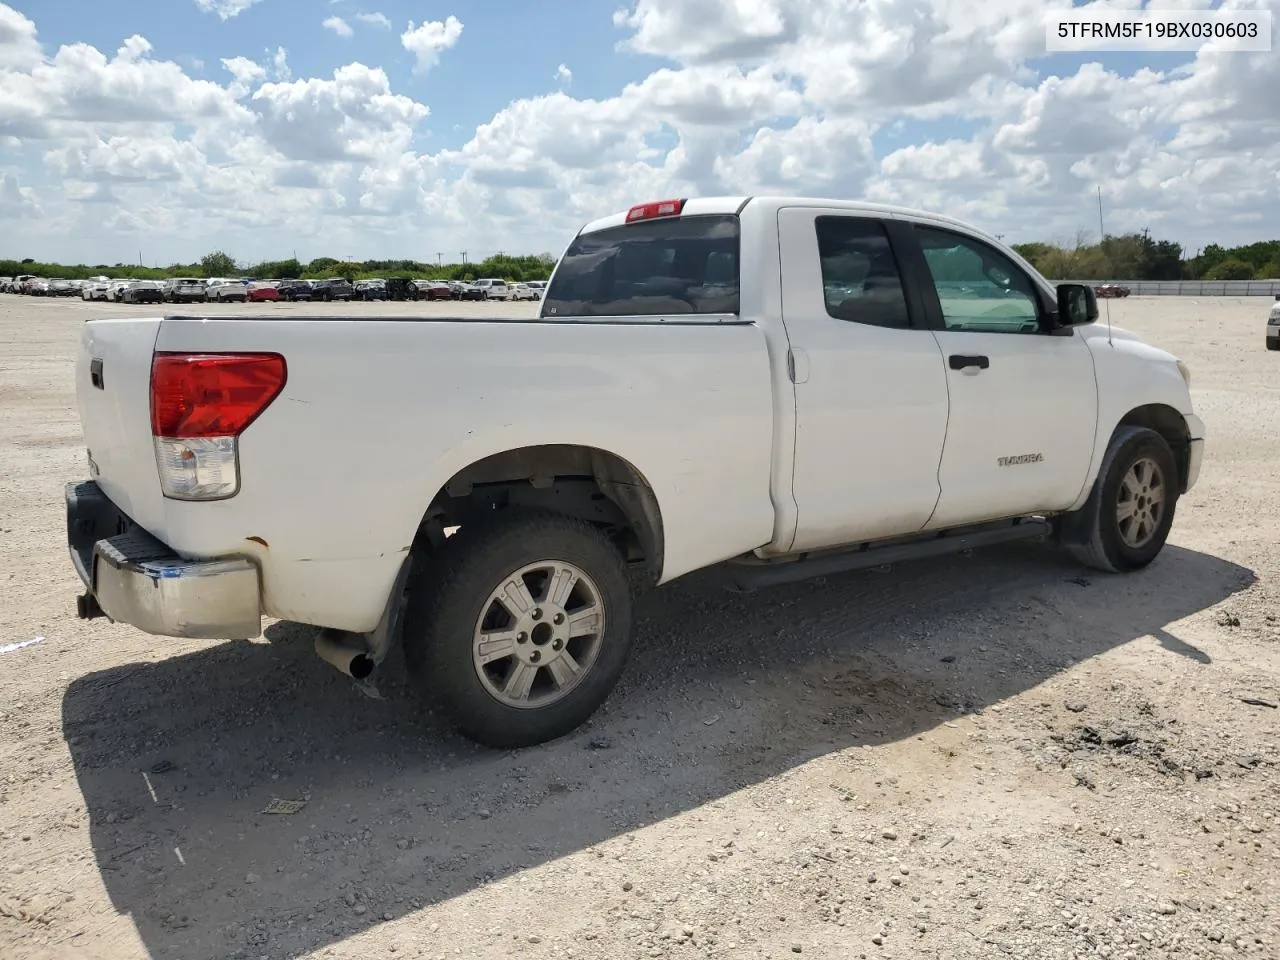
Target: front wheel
{"points": [[519, 626], [1136, 496]]}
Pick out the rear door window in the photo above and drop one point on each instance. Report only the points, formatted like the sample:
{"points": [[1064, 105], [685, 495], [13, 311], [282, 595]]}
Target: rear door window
{"points": [[676, 265]]}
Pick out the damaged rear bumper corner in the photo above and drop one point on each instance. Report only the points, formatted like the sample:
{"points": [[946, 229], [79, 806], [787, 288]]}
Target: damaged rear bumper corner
{"points": [[134, 578]]}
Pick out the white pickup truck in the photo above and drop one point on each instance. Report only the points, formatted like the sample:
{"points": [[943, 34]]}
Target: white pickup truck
{"points": [[789, 387]]}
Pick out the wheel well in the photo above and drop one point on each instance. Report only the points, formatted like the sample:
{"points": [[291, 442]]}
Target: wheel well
{"points": [[1171, 425], [583, 482]]}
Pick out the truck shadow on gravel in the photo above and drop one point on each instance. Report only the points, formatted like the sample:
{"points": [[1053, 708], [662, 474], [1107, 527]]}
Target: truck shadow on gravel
{"points": [[178, 758]]}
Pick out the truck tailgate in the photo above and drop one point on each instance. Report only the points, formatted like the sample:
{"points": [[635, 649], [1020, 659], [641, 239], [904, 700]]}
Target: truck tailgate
{"points": [[113, 392]]}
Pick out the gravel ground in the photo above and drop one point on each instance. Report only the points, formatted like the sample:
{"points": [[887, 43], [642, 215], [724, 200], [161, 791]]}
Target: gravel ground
{"points": [[1001, 755]]}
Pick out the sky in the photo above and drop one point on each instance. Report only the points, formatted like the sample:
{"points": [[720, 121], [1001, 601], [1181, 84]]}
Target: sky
{"points": [[164, 129]]}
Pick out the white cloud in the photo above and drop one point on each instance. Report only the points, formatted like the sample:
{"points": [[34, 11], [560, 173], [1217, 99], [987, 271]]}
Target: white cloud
{"points": [[377, 19], [127, 160], [226, 9], [19, 49], [280, 64], [427, 41], [339, 26], [16, 201], [827, 97], [245, 74], [79, 88], [353, 116]]}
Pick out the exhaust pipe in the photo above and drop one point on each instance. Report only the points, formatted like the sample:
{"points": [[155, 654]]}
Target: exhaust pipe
{"points": [[354, 662]]}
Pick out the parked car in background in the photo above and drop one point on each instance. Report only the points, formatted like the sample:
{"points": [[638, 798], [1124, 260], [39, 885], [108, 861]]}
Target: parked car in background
{"points": [[400, 288], [1111, 290], [335, 288], [262, 291], [219, 290], [292, 290], [184, 290], [1273, 326], [61, 288], [143, 291], [373, 289], [522, 291], [95, 288], [36, 287], [494, 289], [466, 291], [538, 285], [434, 290], [115, 292]]}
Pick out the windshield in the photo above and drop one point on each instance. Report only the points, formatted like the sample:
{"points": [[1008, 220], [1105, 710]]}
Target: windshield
{"points": [[674, 265]]}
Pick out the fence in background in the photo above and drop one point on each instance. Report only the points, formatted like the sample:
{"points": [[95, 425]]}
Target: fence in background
{"points": [[1195, 288]]}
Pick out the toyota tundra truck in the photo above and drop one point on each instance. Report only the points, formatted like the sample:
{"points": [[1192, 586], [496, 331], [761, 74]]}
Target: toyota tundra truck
{"points": [[782, 387]]}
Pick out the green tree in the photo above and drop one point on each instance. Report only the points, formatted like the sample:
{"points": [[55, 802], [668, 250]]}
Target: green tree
{"points": [[1231, 269], [1270, 270], [216, 264]]}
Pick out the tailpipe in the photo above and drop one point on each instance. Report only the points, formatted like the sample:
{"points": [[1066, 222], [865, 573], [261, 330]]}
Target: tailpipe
{"points": [[332, 648]]}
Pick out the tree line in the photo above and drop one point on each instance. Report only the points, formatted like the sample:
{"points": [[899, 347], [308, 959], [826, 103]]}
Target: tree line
{"points": [[1138, 256], [221, 264], [1132, 256]]}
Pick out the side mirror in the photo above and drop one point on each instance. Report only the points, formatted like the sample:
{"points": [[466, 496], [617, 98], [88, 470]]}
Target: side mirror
{"points": [[1077, 304]]}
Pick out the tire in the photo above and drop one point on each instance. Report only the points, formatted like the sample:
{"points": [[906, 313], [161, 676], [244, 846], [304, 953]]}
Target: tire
{"points": [[1114, 545], [451, 595], [1273, 343]]}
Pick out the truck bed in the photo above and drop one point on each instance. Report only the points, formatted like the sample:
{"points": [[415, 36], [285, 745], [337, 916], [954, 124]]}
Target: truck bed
{"points": [[379, 413]]}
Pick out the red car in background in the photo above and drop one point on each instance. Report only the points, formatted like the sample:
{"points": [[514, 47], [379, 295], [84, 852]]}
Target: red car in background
{"points": [[431, 290], [262, 293], [1110, 290]]}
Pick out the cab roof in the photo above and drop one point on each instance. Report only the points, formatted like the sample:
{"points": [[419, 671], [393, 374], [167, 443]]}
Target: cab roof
{"points": [[704, 206]]}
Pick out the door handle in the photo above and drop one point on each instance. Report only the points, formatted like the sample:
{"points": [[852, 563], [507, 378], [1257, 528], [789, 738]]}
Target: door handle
{"points": [[960, 361]]}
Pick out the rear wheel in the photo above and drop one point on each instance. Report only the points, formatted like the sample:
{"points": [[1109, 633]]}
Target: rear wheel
{"points": [[1136, 497], [519, 626]]}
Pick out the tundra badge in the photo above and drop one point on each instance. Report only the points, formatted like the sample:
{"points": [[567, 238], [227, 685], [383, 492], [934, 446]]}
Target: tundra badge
{"points": [[1020, 459]]}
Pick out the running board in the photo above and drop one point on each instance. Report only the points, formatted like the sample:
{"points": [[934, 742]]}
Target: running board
{"points": [[749, 577]]}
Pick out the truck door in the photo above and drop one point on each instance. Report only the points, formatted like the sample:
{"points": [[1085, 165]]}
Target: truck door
{"points": [[871, 391], [1024, 402]]}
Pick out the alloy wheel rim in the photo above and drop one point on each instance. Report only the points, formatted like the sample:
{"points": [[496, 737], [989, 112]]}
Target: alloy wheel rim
{"points": [[1141, 502], [538, 634]]}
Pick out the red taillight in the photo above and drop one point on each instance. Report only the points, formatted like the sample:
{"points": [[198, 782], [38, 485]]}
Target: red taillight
{"points": [[660, 208], [197, 395]]}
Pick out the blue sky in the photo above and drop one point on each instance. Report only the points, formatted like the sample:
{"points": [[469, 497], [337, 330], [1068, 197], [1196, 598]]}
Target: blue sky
{"points": [[528, 118]]}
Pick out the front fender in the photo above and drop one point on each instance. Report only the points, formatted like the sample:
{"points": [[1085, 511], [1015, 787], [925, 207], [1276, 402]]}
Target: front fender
{"points": [[1131, 375]]}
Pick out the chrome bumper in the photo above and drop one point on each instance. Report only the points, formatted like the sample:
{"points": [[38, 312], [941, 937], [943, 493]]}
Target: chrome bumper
{"points": [[133, 578]]}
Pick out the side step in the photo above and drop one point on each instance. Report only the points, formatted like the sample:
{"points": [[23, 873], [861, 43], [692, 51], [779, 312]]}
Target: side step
{"points": [[751, 576]]}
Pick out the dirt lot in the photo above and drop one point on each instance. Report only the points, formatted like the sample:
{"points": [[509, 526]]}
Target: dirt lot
{"points": [[989, 756]]}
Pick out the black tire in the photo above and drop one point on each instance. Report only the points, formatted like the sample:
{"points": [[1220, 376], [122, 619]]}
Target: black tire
{"points": [[1273, 343], [1106, 549], [449, 592]]}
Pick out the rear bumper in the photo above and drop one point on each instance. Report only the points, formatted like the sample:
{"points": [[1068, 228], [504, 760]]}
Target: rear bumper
{"points": [[133, 578]]}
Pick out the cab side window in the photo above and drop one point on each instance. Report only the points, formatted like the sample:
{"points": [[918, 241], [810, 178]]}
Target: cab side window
{"points": [[860, 279], [979, 288]]}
